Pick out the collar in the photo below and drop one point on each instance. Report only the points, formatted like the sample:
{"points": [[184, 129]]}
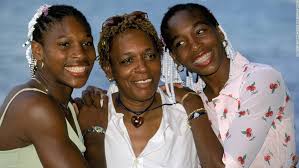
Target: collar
{"points": [[238, 67]]}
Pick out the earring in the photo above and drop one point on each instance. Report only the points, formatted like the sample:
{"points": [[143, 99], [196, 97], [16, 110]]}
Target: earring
{"points": [[33, 67], [42, 65]]}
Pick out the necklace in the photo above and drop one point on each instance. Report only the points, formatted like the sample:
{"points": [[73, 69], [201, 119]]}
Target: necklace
{"points": [[136, 120]]}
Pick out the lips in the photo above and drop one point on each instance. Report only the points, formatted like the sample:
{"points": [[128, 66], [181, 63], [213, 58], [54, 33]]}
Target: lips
{"points": [[144, 81], [77, 70], [203, 59]]}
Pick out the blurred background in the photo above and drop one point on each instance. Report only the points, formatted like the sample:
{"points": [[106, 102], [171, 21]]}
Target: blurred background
{"points": [[263, 31]]}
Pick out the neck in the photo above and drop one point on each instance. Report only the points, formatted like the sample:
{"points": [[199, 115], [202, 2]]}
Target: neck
{"points": [[60, 92], [216, 81], [134, 106]]}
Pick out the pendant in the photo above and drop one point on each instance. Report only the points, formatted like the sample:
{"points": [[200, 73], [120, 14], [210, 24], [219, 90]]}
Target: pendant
{"points": [[137, 121]]}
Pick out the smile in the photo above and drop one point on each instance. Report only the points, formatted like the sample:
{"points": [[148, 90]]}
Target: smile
{"points": [[144, 81], [76, 69], [203, 59]]}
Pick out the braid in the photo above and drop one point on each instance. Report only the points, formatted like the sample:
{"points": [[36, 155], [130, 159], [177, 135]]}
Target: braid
{"points": [[41, 22], [126, 22]]}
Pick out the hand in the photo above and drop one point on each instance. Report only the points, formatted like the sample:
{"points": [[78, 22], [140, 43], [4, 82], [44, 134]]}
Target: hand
{"points": [[93, 107], [179, 90]]}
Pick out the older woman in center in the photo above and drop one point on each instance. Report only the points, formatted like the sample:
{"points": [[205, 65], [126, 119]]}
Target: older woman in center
{"points": [[144, 128]]}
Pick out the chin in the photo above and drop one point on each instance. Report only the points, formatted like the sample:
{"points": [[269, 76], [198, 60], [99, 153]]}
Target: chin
{"points": [[78, 84]]}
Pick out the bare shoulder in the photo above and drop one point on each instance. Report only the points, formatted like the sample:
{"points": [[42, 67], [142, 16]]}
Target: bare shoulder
{"points": [[30, 113]]}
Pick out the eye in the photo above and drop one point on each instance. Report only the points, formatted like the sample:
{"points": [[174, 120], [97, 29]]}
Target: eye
{"points": [[88, 43], [150, 56], [178, 44], [64, 44], [127, 61], [200, 31]]}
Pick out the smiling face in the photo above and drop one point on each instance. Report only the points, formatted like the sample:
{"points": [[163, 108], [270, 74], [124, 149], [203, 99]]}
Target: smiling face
{"points": [[195, 43], [135, 65], [67, 52]]}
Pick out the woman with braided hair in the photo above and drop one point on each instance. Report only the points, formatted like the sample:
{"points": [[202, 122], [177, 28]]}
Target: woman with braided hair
{"points": [[248, 104], [144, 128], [38, 124]]}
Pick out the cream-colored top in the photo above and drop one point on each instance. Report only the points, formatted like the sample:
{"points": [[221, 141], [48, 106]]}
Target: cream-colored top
{"points": [[27, 157]]}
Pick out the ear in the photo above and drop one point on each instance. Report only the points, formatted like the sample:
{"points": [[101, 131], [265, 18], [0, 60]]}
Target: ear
{"points": [[37, 50], [108, 71], [220, 33]]}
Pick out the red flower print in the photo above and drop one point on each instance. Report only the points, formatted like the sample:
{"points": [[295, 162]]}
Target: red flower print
{"points": [[242, 159], [279, 118], [281, 110], [286, 139], [245, 69], [224, 113], [243, 113], [251, 88], [273, 86], [248, 133], [287, 98], [268, 114], [294, 158], [267, 158]]}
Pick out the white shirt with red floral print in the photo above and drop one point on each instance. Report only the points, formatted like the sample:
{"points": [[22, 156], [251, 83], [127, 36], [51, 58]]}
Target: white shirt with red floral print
{"points": [[253, 117]]}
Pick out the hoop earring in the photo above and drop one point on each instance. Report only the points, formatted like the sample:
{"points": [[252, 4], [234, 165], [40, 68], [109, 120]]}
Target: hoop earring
{"points": [[42, 65]]}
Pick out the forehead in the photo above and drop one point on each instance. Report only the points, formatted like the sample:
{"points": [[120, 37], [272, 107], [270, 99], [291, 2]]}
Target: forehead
{"points": [[186, 18], [67, 26], [131, 40]]}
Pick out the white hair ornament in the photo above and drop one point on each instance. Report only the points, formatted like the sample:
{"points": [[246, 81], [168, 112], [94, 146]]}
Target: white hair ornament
{"points": [[42, 10]]}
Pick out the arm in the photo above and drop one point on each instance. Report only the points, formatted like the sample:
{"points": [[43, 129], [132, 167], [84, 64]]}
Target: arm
{"points": [[45, 127], [209, 149], [94, 112], [261, 95]]}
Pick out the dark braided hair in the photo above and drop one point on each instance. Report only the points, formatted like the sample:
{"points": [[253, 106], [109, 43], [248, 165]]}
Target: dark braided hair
{"points": [[119, 24], [54, 14], [180, 7]]}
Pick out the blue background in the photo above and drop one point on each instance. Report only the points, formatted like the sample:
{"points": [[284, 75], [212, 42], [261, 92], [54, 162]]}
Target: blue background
{"points": [[263, 31]]}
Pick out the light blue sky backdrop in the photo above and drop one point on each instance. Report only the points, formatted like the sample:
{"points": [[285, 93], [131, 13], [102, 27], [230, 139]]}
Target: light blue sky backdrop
{"points": [[262, 30]]}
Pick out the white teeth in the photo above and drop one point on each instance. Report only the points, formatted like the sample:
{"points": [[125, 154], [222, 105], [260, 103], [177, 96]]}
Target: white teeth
{"points": [[76, 69], [144, 81], [203, 58]]}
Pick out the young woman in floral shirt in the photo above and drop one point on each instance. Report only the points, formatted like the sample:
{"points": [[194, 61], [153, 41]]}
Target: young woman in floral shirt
{"points": [[248, 104]]}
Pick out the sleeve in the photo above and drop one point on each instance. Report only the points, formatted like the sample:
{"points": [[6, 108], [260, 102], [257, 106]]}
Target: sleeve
{"points": [[262, 93]]}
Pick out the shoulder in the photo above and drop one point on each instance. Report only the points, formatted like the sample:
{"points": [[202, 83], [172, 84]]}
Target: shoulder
{"points": [[261, 72], [34, 109]]}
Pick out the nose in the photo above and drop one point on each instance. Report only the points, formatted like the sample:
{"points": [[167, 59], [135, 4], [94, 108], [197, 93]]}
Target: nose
{"points": [[195, 44], [141, 66], [78, 51]]}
